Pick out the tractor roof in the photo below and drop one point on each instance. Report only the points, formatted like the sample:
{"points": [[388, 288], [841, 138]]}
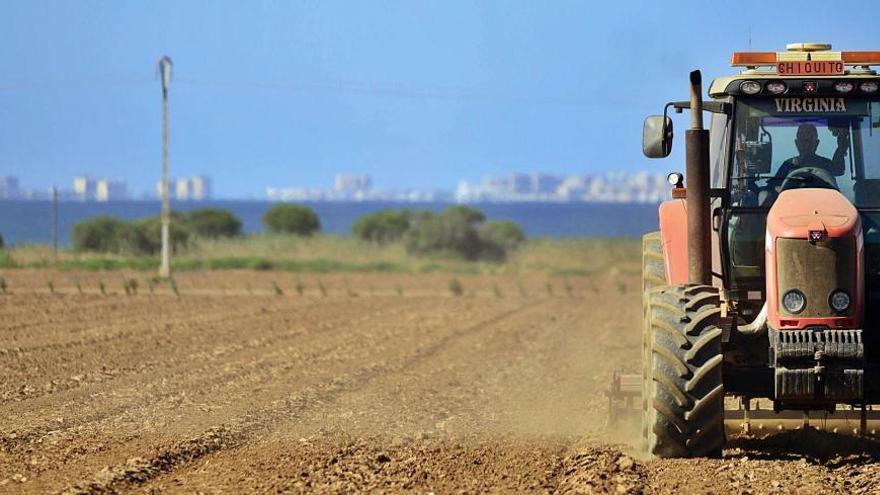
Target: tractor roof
{"points": [[800, 61]]}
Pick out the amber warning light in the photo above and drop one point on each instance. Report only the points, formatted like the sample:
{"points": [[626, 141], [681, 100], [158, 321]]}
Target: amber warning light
{"points": [[818, 63]]}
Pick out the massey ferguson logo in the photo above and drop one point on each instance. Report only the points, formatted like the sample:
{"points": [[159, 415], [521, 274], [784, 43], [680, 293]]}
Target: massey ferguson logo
{"points": [[800, 105]]}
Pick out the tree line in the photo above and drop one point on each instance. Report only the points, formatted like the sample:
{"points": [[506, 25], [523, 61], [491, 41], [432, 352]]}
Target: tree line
{"points": [[458, 231]]}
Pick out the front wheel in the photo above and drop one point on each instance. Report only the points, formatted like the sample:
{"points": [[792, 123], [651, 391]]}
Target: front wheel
{"points": [[684, 403]]}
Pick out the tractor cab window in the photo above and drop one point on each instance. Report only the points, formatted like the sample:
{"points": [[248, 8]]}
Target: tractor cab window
{"points": [[717, 149], [786, 143], [796, 142]]}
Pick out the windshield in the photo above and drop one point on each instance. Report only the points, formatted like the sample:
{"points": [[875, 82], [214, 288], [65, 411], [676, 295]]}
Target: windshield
{"points": [[793, 142]]}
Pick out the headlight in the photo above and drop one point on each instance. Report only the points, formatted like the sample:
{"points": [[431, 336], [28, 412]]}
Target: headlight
{"points": [[675, 179], [869, 87], [844, 86], [750, 87], [794, 301], [839, 301], [776, 87]]}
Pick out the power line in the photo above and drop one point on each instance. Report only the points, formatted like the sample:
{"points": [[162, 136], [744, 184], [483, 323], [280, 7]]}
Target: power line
{"points": [[373, 89], [60, 83], [401, 91]]}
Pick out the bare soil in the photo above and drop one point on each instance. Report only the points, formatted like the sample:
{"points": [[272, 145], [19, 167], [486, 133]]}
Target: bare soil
{"points": [[382, 383]]}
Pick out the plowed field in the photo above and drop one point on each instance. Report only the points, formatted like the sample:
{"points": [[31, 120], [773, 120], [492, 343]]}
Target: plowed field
{"points": [[240, 383]]}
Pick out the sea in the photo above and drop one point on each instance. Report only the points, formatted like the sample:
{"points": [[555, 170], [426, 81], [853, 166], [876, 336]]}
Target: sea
{"points": [[30, 222]]}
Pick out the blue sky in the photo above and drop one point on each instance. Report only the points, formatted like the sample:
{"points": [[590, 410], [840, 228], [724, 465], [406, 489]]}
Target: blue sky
{"points": [[415, 94]]}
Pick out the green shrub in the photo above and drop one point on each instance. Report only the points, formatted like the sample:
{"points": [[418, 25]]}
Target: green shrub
{"points": [[6, 260], [144, 236], [2, 245], [383, 226], [287, 218], [452, 232], [99, 234], [213, 223], [461, 231], [499, 238], [133, 239], [505, 233]]}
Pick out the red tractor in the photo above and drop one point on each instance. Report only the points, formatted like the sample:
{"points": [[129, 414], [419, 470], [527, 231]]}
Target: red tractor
{"points": [[763, 281]]}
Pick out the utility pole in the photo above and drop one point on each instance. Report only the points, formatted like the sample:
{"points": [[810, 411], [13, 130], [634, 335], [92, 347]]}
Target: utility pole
{"points": [[165, 74], [54, 225]]}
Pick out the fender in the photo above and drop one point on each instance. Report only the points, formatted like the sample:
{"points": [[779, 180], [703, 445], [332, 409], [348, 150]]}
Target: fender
{"points": [[673, 237]]}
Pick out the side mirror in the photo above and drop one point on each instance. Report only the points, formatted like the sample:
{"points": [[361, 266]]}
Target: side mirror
{"points": [[657, 136]]}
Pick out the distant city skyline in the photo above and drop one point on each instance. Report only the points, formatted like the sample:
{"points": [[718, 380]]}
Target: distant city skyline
{"points": [[413, 94], [610, 186], [102, 189]]}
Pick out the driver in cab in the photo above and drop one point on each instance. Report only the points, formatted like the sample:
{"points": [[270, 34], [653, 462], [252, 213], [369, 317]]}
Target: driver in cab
{"points": [[807, 141]]}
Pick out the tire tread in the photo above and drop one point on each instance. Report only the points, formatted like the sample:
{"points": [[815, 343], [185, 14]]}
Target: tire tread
{"points": [[686, 401]]}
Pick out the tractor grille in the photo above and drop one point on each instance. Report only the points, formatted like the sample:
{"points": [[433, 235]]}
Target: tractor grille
{"points": [[836, 344], [816, 269], [818, 364]]}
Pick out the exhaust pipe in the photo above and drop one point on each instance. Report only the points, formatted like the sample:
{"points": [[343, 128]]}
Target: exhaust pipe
{"points": [[697, 168]]}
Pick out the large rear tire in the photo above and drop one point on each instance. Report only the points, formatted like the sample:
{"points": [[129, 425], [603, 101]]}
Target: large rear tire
{"points": [[653, 267], [684, 400], [653, 276]]}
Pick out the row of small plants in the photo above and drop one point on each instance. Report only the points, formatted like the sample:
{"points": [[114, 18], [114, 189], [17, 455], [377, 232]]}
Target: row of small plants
{"points": [[131, 287]]}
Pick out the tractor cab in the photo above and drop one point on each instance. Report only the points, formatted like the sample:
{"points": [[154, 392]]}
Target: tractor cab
{"points": [[787, 132], [761, 280]]}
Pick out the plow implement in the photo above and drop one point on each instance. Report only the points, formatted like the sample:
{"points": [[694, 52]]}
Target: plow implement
{"points": [[754, 416]]}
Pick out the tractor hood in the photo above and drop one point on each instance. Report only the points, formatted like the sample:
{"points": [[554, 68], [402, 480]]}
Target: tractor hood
{"points": [[814, 249], [798, 211]]}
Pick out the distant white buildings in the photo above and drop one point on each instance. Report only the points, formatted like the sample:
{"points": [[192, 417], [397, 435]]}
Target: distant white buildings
{"points": [[294, 194], [200, 188], [84, 188], [88, 189], [513, 187], [618, 187], [10, 188], [642, 187], [352, 185], [111, 190], [196, 188]]}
